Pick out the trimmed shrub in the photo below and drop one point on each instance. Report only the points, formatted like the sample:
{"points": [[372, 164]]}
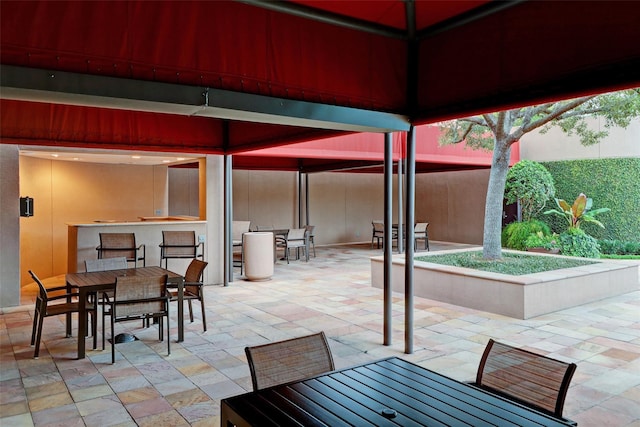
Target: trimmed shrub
{"points": [[514, 235], [614, 183], [575, 242]]}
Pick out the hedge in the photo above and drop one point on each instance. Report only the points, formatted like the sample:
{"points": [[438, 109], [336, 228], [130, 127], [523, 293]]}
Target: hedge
{"points": [[611, 183]]}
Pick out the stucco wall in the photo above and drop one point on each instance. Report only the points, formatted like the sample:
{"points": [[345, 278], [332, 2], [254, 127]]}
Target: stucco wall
{"points": [[342, 205], [555, 145], [66, 192]]}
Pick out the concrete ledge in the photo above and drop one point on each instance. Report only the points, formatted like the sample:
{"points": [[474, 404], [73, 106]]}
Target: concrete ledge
{"points": [[520, 297]]}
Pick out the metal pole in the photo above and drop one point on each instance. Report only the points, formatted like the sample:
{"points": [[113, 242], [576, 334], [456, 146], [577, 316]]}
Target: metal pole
{"points": [[306, 196], [410, 220], [228, 221], [388, 218], [299, 199], [401, 233]]}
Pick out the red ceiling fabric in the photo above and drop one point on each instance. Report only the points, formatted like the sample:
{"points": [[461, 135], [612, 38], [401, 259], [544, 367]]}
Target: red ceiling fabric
{"points": [[218, 44]]}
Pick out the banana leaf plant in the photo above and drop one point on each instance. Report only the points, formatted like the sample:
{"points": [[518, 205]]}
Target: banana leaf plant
{"points": [[579, 212]]}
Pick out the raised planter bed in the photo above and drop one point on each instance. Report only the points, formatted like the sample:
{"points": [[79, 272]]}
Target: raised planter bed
{"points": [[521, 297]]}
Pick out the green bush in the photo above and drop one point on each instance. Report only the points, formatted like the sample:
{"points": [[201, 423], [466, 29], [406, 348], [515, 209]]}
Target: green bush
{"points": [[575, 242], [514, 235], [610, 182], [618, 247], [531, 184]]}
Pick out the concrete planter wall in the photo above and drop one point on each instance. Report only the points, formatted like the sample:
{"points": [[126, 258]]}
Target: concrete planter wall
{"points": [[520, 297]]}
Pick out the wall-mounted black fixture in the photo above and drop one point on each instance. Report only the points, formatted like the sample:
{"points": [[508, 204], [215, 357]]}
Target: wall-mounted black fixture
{"points": [[26, 206]]}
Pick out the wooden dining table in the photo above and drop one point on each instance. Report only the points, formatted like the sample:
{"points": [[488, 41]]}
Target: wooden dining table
{"points": [[389, 392], [94, 282]]}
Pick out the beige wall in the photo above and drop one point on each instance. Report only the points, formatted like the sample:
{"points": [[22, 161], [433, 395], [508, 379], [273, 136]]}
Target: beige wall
{"points": [[76, 192], [342, 205], [555, 145], [184, 192]]}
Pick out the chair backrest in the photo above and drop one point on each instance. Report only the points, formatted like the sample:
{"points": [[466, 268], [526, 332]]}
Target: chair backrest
{"points": [[296, 234], [179, 244], [239, 228], [105, 264], [140, 295], [114, 245], [378, 226], [533, 379], [194, 274], [310, 229], [42, 291], [421, 227], [264, 227], [290, 360]]}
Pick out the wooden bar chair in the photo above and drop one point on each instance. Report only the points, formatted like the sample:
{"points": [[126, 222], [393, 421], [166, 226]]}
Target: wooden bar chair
{"points": [[193, 288]]}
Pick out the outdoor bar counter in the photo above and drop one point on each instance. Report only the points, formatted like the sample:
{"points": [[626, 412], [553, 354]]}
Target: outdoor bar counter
{"points": [[83, 238]]}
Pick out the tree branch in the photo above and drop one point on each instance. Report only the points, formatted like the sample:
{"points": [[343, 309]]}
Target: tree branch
{"points": [[559, 109]]}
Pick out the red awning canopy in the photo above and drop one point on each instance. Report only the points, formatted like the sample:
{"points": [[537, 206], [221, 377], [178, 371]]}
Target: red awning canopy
{"points": [[169, 75]]}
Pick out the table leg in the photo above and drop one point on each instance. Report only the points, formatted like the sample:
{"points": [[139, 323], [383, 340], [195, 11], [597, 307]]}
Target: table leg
{"points": [[82, 322], [181, 310]]}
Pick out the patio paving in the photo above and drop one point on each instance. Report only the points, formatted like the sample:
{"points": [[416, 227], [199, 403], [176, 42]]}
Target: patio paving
{"points": [[331, 292]]}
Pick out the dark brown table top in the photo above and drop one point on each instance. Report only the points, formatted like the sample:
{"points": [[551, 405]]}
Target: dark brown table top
{"points": [[389, 392]]}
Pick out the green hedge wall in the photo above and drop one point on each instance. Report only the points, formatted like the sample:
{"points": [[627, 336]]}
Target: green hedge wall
{"points": [[611, 183]]}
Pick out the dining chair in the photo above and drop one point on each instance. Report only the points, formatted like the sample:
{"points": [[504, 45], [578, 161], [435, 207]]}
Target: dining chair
{"points": [[420, 233], [378, 233], [47, 304], [296, 238], [531, 379], [135, 298], [311, 235], [289, 360], [179, 244], [238, 230], [193, 288], [113, 245], [105, 264]]}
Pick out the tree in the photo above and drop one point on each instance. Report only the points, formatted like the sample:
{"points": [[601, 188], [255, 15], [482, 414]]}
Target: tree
{"points": [[502, 129], [531, 185]]}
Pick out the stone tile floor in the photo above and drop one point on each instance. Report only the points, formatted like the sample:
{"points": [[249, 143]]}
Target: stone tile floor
{"points": [[331, 292]]}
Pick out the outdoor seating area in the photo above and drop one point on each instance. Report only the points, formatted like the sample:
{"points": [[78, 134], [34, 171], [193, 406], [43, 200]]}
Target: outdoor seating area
{"points": [[146, 386]]}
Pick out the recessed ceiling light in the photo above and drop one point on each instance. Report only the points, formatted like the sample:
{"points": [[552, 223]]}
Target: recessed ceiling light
{"points": [[180, 158], [166, 161], [135, 157], [54, 155]]}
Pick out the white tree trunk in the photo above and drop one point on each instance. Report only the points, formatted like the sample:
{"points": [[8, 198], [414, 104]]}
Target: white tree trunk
{"points": [[492, 247]]}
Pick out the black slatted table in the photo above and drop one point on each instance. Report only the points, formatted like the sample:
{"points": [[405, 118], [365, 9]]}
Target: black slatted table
{"points": [[359, 396]]}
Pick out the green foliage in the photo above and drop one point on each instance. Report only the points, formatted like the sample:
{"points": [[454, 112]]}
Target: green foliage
{"points": [[512, 263], [614, 183], [530, 183], [619, 247], [541, 240], [579, 212], [514, 235], [575, 242]]}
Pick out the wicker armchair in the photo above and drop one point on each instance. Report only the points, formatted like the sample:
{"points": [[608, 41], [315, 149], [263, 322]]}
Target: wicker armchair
{"points": [[137, 297], [179, 244], [114, 245], [290, 360], [192, 288], [534, 380], [46, 307]]}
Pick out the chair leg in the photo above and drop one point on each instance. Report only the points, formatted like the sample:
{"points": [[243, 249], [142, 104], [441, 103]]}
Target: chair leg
{"points": [[204, 316], [36, 352], [113, 338], [190, 311], [36, 316]]}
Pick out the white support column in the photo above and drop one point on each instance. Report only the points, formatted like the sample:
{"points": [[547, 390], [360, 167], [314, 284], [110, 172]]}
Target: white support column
{"points": [[213, 211], [10, 225]]}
